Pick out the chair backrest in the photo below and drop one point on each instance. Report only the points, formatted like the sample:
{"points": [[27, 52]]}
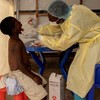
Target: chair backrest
{"points": [[96, 84], [97, 75]]}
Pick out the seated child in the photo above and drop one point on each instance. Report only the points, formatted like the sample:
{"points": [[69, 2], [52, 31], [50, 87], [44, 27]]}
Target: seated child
{"points": [[19, 61]]}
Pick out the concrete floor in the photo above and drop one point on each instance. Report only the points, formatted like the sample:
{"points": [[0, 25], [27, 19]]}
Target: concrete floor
{"points": [[52, 66]]}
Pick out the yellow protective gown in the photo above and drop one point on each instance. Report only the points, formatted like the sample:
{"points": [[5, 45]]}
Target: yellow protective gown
{"points": [[83, 27], [6, 9], [49, 30]]}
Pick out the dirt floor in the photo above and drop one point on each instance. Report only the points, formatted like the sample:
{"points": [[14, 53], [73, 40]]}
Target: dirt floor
{"points": [[52, 65]]}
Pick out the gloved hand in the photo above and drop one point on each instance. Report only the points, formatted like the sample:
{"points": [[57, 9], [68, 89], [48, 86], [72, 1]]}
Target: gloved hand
{"points": [[32, 22], [34, 35], [36, 43]]}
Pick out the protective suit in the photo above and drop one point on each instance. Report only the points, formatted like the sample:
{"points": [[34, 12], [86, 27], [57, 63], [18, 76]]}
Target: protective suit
{"points": [[83, 27], [50, 30], [6, 9]]}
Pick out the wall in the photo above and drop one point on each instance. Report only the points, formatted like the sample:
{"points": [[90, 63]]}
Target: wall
{"points": [[92, 4]]}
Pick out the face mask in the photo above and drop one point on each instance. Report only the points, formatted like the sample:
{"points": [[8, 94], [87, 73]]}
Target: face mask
{"points": [[54, 23]]}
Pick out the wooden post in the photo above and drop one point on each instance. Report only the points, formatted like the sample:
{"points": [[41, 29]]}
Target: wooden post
{"points": [[17, 9], [81, 2], [37, 14]]}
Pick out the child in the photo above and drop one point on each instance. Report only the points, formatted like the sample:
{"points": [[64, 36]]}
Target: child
{"points": [[19, 61]]}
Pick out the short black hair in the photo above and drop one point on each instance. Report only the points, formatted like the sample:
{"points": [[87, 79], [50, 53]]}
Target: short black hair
{"points": [[7, 24]]}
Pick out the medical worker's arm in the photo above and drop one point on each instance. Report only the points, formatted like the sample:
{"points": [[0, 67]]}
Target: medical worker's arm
{"points": [[49, 30], [71, 36]]}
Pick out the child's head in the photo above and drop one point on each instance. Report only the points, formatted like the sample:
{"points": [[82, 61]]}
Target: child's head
{"points": [[10, 26], [7, 24]]}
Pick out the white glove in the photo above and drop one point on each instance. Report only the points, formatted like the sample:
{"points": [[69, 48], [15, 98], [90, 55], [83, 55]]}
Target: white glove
{"points": [[32, 22], [34, 35], [30, 35]]}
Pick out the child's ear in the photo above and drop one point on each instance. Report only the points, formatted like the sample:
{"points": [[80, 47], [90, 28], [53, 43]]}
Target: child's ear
{"points": [[13, 30]]}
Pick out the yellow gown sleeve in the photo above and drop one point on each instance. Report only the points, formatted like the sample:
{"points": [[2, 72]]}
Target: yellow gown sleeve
{"points": [[69, 37], [49, 30]]}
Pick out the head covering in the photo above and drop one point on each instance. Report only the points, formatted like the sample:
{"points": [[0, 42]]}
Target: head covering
{"points": [[59, 9]]}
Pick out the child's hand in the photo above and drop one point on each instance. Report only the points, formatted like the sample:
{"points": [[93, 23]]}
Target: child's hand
{"points": [[37, 79]]}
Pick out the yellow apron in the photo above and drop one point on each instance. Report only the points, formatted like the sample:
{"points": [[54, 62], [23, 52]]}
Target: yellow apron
{"points": [[83, 27], [81, 72]]}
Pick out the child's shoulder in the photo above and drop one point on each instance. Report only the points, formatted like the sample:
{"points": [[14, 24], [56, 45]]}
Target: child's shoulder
{"points": [[15, 42]]}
